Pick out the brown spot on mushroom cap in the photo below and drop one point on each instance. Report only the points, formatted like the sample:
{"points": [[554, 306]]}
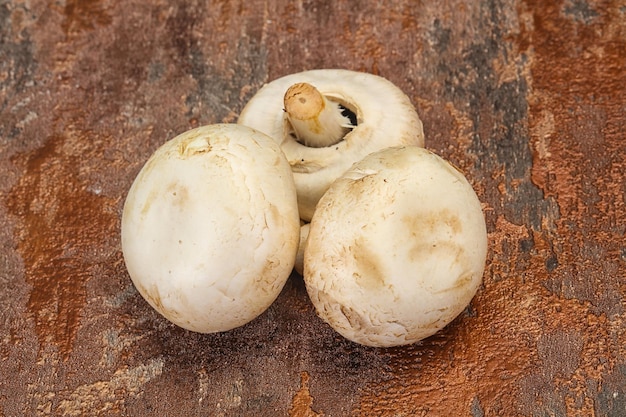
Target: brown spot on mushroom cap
{"points": [[423, 224], [369, 273], [178, 193]]}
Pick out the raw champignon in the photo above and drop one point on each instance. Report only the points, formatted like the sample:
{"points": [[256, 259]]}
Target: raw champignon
{"points": [[396, 248], [383, 116], [210, 227]]}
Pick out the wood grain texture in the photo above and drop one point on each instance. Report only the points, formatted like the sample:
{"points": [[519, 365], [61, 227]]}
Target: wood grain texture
{"points": [[528, 98]]}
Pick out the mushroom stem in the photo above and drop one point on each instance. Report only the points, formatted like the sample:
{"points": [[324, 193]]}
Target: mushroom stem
{"points": [[317, 122], [304, 234]]}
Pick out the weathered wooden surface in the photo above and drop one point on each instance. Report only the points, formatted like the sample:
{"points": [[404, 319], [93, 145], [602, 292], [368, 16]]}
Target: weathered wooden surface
{"points": [[527, 97]]}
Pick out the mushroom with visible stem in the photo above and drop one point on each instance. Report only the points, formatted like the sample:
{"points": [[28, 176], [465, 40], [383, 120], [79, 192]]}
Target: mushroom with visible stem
{"points": [[316, 121], [396, 248], [210, 227], [326, 120]]}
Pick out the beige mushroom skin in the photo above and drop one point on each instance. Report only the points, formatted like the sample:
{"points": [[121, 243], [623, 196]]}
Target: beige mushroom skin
{"points": [[304, 234], [210, 227], [396, 248], [384, 116]]}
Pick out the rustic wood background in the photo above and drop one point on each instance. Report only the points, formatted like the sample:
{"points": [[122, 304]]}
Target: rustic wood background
{"points": [[528, 97]]}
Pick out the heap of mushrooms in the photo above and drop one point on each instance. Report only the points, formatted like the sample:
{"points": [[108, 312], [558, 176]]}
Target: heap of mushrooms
{"points": [[396, 244], [217, 218]]}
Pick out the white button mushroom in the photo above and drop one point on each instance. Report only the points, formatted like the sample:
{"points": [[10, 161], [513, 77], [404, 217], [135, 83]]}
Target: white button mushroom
{"points": [[326, 120], [396, 248], [210, 227]]}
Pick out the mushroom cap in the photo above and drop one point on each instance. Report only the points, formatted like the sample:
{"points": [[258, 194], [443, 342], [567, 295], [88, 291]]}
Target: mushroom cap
{"points": [[385, 117], [396, 248], [210, 227]]}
